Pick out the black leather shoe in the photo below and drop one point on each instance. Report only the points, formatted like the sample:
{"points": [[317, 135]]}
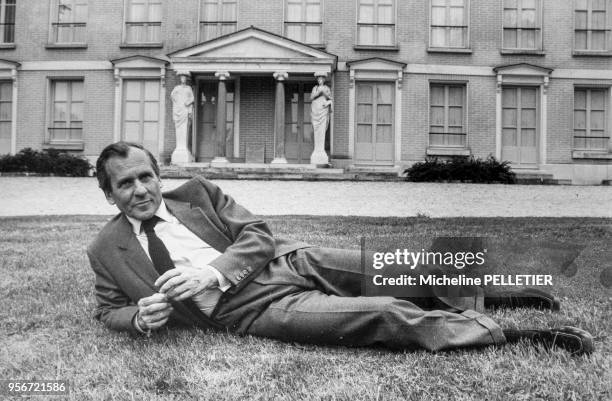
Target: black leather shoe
{"points": [[524, 298], [572, 339]]}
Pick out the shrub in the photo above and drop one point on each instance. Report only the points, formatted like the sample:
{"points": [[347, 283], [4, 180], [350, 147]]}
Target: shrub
{"points": [[46, 162], [464, 169]]}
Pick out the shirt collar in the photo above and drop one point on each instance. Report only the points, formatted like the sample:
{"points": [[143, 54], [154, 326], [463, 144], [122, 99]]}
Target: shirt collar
{"points": [[162, 212]]}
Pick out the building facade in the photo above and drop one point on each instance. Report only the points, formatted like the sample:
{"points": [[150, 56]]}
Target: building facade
{"points": [[528, 81]]}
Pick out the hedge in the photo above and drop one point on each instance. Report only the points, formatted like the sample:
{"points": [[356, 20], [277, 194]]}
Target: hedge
{"points": [[46, 162]]}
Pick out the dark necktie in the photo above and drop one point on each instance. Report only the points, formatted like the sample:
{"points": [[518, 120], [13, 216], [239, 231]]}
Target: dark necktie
{"points": [[157, 250], [163, 262]]}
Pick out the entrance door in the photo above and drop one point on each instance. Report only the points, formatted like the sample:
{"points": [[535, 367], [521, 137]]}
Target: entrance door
{"points": [[6, 112], [206, 120], [520, 126], [374, 128], [299, 137]]}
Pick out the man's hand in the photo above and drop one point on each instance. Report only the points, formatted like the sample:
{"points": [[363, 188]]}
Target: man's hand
{"points": [[153, 311], [184, 282]]}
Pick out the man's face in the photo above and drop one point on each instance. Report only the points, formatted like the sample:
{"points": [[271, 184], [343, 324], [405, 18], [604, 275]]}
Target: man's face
{"points": [[135, 188]]}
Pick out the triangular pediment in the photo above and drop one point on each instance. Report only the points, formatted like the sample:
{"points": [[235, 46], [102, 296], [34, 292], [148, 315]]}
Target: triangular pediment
{"points": [[376, 64], [8, 64], [251, 43], [524, 69], [138, 61]]}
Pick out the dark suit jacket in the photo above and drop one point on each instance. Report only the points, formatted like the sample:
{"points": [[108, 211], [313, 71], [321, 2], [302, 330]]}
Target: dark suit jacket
{"points": [[124, 273]]}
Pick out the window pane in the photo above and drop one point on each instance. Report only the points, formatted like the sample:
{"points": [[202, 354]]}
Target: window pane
{"points": [[438, 16], [132, 132], [528, 137], [528, 98], [366, 13], [598, 41], [509, 118], [599, 4], [151, 90], [76, 112], [151, 111], [437, 116], [456, 37], [437, 95], [384, 134], [61, 91], [137, 12], [229, 12], [77, 91], [366, 35], [384, 114], [581, 20], [455, 116], [132, 90], [227, 28], [528, 118], [5, 111], [155, 13], [581, 4], [385, 14], [384, 94], [529, 3], [509, 137], [509, 97], [456, 16], [313, 34], [313, 13], [598, 120], [599, 20], [510, 39], [510, 20], [528, 19], [364, 113], [455, 96], [579, 119], [209, 12], [59, 111], [132, 111], [294, 32], [598, 99], [385, 35], [294, 12], [455, 3], [580, 100], [6, 91], [528, 39], [581, 40], [438, 37], [80, 13], [364, 133], [365, 93]]}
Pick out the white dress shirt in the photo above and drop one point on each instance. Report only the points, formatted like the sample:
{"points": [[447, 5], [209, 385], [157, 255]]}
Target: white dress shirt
{"points": [[186, 250]]}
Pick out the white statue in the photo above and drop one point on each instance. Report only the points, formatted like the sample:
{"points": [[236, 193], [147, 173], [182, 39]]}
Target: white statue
{"points": [[320, 109], [182, 109]]}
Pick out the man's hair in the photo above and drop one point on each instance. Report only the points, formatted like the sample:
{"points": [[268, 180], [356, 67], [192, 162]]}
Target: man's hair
{"points": [[118, 149]]}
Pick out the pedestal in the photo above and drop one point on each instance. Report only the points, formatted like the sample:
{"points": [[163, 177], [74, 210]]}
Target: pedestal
{"points": [[319, 157], [181, 156]]}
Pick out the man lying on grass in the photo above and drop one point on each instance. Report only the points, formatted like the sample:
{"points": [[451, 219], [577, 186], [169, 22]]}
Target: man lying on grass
{"points": [[192, 256]]}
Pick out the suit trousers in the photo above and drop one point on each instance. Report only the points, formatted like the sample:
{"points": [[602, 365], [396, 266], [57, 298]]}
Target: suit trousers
{"points": [[313, 295]]}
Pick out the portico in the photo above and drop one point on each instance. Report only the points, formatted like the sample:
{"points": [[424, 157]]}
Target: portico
{"points": [[256, 85]]}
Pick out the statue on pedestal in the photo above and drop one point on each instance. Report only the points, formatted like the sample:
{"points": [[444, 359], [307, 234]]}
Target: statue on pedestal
{"points": [[182, 109], [320, 109]]}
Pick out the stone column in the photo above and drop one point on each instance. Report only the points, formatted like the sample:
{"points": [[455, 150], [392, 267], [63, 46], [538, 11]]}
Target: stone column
{"points": [[279, 119], [220, 133]]}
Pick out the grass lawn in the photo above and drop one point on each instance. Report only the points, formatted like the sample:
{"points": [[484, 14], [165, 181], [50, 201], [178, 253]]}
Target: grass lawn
{"points": [[48, 332]]}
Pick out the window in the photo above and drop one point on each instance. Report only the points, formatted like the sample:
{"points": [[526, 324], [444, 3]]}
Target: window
{"points": [[143, 21], [7, 21], [66, 123], [6, 113], [449, 23], [303, 21], [217, 18], [376, 23], [69, 21], [141, 112], [590, 119], [447, 115], [374, 122], [522, 25], [592, 27]]}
